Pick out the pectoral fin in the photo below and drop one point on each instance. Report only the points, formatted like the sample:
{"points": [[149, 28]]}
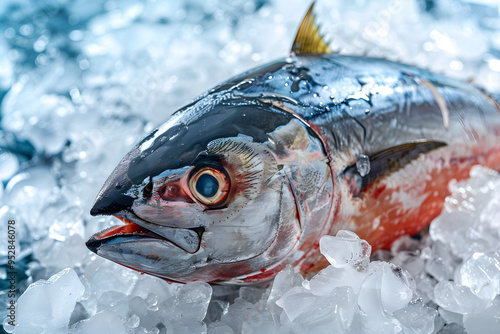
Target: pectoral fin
{"points": [[385, 162], [308, 39]]}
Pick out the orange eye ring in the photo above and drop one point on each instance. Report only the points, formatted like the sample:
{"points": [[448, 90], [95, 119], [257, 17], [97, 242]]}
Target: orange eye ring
{"points": [[209, 185]]}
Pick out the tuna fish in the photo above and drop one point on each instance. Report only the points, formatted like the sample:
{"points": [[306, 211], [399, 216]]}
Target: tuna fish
{"points": [[245, 180]]}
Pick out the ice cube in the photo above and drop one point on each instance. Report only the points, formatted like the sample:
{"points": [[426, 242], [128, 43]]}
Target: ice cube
{"points": [[395, 288], [114, 301], [113, 277], [441, 263], [138, 306], [414, 264], [346, 249], [439, 323], [251, 294], [416, 318], [147, 285], [451, 317], [219, 328], [425, 287], [487, 321], [216, 309], [452, 329], [237, 313], [103, 322], [260, 323], [297, 301], [481, 273], [306, 311], [383, 291], [330, 278], [490, 215], [191, 302], [48, 304], [448, 224], [458, 298], [187, 326], [79, 313], [133, 321], [283, 282]]}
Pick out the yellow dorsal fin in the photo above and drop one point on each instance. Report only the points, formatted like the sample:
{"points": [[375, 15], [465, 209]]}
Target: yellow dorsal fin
{"points": [[308, 39]]}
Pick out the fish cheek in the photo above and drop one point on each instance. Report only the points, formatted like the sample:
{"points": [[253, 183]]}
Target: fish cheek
{"points": [[245, 231]]}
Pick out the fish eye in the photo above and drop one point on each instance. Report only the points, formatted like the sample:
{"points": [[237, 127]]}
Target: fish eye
{"points": [[209, 185]]}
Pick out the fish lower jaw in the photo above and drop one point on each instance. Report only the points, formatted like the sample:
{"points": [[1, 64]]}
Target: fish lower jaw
{"points": [[188, 240]]}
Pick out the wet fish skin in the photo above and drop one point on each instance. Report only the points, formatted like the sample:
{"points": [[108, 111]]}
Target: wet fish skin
{"points": [[304, 120]]}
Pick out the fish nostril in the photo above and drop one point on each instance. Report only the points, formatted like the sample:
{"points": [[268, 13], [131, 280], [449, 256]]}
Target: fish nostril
{"points": [[148, 190], [169, 191]]}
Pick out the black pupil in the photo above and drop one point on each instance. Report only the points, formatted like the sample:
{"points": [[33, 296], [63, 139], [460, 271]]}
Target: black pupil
{"points": [[207, 185]]}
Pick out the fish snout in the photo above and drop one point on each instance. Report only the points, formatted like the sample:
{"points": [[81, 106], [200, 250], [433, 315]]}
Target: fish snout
{"points": [[110, 203], [115, 195]]}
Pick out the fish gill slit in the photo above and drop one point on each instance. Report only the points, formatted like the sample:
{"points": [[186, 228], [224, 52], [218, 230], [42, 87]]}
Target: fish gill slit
{"points": [[441, 102], [291, 188]]}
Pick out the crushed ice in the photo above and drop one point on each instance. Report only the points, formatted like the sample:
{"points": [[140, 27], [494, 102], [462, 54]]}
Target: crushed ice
{"points": [[82, 81], [363, 165]]}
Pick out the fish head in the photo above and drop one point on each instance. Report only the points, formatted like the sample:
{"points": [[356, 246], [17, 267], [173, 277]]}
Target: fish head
{"points": [[218, 193]]}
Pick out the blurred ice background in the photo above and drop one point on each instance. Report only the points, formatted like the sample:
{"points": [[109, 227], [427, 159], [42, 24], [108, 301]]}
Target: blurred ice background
{"points": [[83, 81]]}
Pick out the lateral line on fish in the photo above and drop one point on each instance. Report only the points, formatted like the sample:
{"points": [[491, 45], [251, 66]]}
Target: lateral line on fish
{"points": [[445, 112]]}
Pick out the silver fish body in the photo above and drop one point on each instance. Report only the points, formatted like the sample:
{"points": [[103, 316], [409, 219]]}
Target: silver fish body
{"points": [[246, 179]]}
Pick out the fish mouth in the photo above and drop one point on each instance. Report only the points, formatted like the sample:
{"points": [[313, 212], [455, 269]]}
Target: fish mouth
{"points": [[189, 240]]}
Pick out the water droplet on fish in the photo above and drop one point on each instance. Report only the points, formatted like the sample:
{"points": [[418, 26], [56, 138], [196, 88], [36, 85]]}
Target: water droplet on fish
{"points": [[363, 165]]}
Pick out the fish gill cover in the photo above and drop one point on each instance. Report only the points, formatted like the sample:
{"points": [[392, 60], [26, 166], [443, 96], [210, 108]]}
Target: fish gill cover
{"points": [[83, 81]]}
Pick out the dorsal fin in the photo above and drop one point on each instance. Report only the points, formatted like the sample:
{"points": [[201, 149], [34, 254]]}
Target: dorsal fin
{"points": [[386, 162], [308, 39]]}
